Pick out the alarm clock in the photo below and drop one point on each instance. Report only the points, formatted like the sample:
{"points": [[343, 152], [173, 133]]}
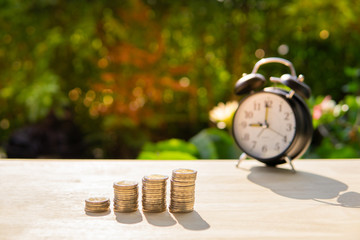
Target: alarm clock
{"points": [[272, 125]]}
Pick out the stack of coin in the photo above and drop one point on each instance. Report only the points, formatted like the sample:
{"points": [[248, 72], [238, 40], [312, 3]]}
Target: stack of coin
{"points": [[97, 204], [125, 196], [182, 195], [154, 193]]}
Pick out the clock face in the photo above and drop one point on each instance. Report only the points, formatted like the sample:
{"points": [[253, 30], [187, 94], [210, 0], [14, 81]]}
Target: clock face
{"points": [[264, 125]]}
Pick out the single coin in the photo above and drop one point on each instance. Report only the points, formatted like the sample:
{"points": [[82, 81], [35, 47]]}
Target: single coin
{"points": [[97, 200], [185, 171], [125, 184], [156, 177], [181, 210], [96, 211], [125, 210], [154, 210], [182, 183]]}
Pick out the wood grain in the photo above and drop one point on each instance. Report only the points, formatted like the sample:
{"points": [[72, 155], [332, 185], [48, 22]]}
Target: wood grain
{"points": [[44, 199]]}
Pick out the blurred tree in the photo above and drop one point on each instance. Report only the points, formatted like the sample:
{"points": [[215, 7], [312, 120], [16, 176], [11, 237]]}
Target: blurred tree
{"points": [[138, 70]]}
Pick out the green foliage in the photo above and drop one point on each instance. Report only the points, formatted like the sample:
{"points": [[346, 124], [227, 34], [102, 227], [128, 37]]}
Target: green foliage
{"points": [[210, 143], [328, 149], [213, 143], [175, 149], [166, 155], [338, 127]]}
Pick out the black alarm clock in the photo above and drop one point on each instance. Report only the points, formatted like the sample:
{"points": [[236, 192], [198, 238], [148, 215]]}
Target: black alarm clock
{"points": [[272, 125]]}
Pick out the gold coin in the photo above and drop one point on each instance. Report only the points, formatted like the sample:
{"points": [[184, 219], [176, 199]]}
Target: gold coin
{"points": [[182, 184], [98, 205], [153, 186], [154, 210], [125, 210], [184, 171], [117, 199], [96, 211], [182, 194], [181, 210], [154, 206], [157, 180], [177, 206], [154, 202], [184, 174], [97, 200], [126, 193], [182, 197], [181, 206], [150, 190], [153, 193], [124, 184], [183, 189], [156, 177], [128, 205]]}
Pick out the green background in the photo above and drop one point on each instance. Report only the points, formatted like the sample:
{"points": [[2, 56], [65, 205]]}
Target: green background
{"points": [[112, 79]]}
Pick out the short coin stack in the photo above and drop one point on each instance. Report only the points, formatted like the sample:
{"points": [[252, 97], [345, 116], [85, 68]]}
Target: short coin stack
{"points": [[97, 204], [125, 196], [182, 195], [154, 193]]}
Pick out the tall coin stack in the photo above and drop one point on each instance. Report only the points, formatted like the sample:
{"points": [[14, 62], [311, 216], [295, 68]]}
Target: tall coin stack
{"points": [[125, 196], [97, 204], [154, 193], [182, 194]]}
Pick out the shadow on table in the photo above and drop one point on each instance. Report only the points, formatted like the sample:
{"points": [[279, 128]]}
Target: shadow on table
{"points": [[303, 185], [129, 218], [98, 214], [191, 221], [162, 219]]}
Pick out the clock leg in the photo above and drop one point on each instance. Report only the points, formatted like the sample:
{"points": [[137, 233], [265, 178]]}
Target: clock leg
{"points": [[289, 161], [242, 157]]}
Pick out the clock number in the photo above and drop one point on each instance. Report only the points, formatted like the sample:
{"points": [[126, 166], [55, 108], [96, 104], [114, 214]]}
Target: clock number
{"points": [[268, 103], [285, 139], [253, 144], [287, 116], [256, 106], [280, 108], [249, 114], [288, 127], [243, 124], [264, 149], [246, 137], [277, 146]]}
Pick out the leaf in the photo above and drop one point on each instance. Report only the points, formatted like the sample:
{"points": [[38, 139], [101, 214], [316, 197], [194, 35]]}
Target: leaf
{"points": [[213, 143], [166, 155]]}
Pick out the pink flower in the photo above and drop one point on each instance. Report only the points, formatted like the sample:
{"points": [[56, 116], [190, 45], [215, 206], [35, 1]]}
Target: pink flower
{"points": [[327, 105]]}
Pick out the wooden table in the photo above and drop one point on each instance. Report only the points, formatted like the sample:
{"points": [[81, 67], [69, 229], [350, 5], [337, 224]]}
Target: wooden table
{"points": [[44, 199]]}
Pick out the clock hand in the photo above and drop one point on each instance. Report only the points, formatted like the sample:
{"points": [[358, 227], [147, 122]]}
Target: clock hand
{"points": [[276, 132], [258, 125], [255, 125], [266, 114], [262, 130]]}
